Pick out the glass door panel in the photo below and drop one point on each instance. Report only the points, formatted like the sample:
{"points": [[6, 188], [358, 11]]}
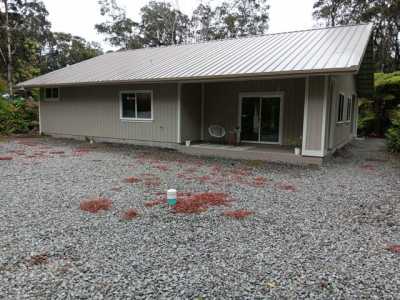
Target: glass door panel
{"points": [[250, 119], [270, 117]]}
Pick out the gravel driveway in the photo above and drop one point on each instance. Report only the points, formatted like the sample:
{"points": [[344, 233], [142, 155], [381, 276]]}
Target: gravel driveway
{"points": [[305, 232]]}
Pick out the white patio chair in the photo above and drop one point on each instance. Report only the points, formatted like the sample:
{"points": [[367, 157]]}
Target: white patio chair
{"points": [[217, 131]]}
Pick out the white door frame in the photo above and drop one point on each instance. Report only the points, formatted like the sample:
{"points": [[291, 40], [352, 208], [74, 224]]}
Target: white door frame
{"points": [[279, 95]]}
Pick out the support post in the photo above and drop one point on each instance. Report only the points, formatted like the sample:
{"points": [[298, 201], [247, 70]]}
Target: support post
{"points": [[305, 116], [179, 94], [202, 111]]}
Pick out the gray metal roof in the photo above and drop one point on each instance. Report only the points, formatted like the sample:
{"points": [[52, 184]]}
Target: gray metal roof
{"points": [[326, 50]]}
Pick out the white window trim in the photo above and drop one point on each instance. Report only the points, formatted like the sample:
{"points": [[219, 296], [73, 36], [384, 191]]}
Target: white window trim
{"points": [[136, 119], [51, 99], [348, 109], [338, 106], [281, 96]]}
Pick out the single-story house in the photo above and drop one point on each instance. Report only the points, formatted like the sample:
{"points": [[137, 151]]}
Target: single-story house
{"points": [[272, 92]]}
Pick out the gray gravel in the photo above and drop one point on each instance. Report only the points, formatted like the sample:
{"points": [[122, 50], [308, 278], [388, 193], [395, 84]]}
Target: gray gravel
{"points": [[315, 233]]}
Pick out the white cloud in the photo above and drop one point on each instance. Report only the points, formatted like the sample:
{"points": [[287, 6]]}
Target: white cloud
{"points": [[79, 16]]}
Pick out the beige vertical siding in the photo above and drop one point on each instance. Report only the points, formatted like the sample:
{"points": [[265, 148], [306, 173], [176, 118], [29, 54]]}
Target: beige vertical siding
{"points": [[344, 84], [222, 103], [313, 139], [191, 112], [95, 111]]}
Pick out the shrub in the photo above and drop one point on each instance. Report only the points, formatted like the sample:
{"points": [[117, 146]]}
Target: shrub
{"points": [[367, 117], [3, 86], [393, 133], [18, 116]]}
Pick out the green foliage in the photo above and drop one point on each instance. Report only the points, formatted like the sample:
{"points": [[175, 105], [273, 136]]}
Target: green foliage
{"points": [[366, 117], [374, 115], [231, 19], [35, 49], [65, 49], [388, 85], [202, 18], [29, 30], [251, 16], [161, 24], [3, 86], [393, 133], [18, 116], [120, 30]]}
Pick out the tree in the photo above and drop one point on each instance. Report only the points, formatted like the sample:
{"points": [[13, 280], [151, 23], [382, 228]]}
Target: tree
{"points": [[385, 16], [224, 22], [8, 41], [120, 30], [375, 115], [241, 18], [334, 12], [65, 49], [252, 16], [202, 27], [163, 25], [28, 31]]}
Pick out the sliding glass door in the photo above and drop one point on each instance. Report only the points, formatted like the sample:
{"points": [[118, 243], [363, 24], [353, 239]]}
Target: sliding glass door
{"points": [[260, 119]]}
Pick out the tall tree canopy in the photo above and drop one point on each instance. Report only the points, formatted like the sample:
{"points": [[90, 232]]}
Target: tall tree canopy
{"points": [[202, 23], [35, 49], [29, 31], [65, 49], [161, 24], [385, 16], [120, 30]]}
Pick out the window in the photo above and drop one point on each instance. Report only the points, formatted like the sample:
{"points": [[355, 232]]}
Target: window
{"points": [[136, 105], [51, 94], [340, 108], [348, 111]]}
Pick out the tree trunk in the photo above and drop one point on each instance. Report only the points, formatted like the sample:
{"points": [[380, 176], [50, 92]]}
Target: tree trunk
{"points": [[9, 65]]}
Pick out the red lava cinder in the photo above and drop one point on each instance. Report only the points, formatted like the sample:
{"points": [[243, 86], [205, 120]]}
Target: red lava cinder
{"points": [[95, 205], [6, 158], [56, 152], [131, 179], [287, 187], [130, 214], [38, 259], [154, 203], [238, 214], [368, 167], [393, 248], [198, 203]]}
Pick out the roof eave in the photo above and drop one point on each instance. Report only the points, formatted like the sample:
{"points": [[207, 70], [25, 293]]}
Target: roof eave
{"points": [[268, 75]]}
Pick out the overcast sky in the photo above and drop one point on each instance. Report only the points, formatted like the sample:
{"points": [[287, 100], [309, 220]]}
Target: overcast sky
{"points": [[79, 16]]}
